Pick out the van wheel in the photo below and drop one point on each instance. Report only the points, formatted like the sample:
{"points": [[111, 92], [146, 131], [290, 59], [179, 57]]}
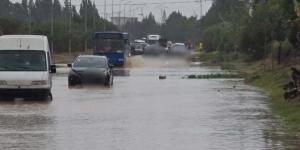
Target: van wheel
{"points": [[47, 96]]}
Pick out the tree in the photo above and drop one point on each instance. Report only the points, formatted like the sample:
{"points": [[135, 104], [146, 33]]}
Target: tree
{"points": [[25, 4], [57, 10]]}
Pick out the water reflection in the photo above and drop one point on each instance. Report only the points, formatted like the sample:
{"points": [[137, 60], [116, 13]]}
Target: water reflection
{"points": [[25, 125]]}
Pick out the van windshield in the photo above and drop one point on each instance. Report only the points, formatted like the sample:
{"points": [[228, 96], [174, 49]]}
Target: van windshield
{"points": [[22, 60]]}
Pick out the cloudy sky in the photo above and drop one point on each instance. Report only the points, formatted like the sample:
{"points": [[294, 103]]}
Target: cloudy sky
{"points": [[141, 8]]}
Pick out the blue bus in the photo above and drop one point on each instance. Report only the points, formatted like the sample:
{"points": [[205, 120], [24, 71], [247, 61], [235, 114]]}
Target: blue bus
{"points": [[113, 45]]}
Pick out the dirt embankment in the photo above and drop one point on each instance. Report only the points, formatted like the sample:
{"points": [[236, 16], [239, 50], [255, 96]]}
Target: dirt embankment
{"points": [[64, 58]]}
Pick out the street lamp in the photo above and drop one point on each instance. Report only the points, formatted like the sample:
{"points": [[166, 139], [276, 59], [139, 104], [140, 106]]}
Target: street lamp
{"points": [[120, 4], [52, 20], [70, 26]]}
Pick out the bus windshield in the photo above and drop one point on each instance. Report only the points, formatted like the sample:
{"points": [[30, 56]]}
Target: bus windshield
{"points": [[110, 45], [22, 60]]}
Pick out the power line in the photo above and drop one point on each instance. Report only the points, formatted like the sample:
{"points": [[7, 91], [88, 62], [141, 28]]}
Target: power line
{"points": [[154, 3]]}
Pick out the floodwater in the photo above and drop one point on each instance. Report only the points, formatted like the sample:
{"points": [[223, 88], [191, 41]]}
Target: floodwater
{"points": [[141, 112]]}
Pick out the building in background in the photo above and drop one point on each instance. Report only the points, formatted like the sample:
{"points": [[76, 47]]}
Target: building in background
{"points": [[121, 21]]}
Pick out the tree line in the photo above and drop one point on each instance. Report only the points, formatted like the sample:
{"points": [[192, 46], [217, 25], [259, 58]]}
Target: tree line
{"points": [[175, 27], [257, 29], [35, 17]]}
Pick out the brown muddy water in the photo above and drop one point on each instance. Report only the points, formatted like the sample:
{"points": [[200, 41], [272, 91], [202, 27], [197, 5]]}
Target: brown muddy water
{"points": [[141, 112]]}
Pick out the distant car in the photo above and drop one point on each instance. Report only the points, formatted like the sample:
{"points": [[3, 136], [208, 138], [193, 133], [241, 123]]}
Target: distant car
{"points": [[155, 50], [178, 49], [137, 49], [90, 69]]}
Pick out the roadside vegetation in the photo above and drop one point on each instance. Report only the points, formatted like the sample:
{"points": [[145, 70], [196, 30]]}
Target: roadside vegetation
{"points": [[35, 17], [260, 39]]}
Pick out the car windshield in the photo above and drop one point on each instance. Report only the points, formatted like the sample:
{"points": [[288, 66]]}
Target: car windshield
{"points": [[22, 60], [90, 62]]}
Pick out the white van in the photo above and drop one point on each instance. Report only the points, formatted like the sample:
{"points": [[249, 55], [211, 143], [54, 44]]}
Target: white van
{"points": [[25, 67]]}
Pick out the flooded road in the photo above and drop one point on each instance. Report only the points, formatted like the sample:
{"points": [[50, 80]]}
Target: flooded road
{"points": [[141, 112]]}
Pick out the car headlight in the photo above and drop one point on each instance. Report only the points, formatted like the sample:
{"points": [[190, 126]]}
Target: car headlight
{"points": [[2, 82], [39, 82]]}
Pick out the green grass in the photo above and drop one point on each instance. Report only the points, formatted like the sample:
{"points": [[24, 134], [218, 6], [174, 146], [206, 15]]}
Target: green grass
{"points": [[271, 81]]}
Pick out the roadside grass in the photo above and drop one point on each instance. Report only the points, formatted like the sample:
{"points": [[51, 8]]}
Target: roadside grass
{"points": [[65, 57], [271, 81], [207, 58]]}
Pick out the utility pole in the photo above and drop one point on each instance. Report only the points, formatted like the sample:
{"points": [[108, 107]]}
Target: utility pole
{"points": [[85, 20], [104, 27], [119, 16], [201, 8], [52, 24], [30, 19], [120, 5], [112, 8], [142, 13], [124, 18], [70, 26], [94, 17], [129, 19]]}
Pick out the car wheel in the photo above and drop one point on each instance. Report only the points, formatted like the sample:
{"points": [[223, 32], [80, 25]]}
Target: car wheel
{"points": [[72, 82], [47, 96], [108, 81]]}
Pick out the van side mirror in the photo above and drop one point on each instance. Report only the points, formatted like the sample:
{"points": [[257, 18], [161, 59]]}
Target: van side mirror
{"points": [[53, 69], [70, 65]]}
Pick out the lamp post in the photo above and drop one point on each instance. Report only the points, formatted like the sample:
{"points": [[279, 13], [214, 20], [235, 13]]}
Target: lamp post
{"points": [[52, 24], [30, 19], [120, 4], [85, 20], [70, 26], [104, 25]]}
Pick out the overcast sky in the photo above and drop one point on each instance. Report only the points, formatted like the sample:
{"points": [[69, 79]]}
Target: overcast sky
{"points": [[144, 7]]}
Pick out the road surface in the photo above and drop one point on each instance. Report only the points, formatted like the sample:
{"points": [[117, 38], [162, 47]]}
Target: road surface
{"points": [[141, 112]]}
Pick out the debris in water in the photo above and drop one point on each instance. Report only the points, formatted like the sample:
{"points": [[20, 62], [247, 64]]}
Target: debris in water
{"points": [[213, 76], [161, 77]]}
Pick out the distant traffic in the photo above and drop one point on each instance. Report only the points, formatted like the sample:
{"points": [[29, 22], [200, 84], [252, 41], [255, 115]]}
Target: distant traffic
{"points": [[26, 66]]}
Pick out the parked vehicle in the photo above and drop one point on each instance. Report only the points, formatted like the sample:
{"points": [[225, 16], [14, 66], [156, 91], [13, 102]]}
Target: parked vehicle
{"points": [[90, 69], [25, 67]]}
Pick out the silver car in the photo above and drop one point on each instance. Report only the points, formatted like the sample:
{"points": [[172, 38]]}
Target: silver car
{"points": [[90, 69]]}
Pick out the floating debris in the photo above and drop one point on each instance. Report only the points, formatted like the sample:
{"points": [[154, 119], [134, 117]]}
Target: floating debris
{"points": [[214, 76], [162, 77]]}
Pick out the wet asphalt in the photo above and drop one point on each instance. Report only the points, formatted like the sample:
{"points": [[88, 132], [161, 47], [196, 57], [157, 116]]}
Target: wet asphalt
{"points": [[141, 112]]}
